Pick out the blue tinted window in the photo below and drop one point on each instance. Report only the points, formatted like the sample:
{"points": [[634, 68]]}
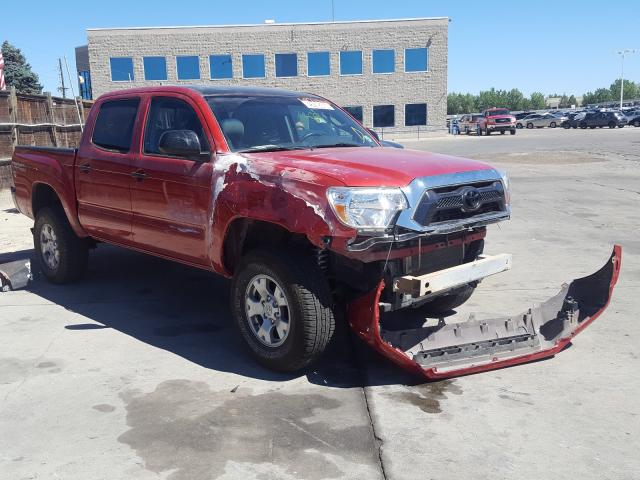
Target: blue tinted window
{"points": [[356, 112], [415, 114], [351, 63], [286, 65], [384, 61], [221, 66], [384, 116], [155, 68], [318, 63], [416, 60], [121, 69], [253, 66], [188, 68]]}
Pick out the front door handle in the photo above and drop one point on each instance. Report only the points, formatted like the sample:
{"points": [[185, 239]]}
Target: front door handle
{"points": [[85, 168], [139, 175]]}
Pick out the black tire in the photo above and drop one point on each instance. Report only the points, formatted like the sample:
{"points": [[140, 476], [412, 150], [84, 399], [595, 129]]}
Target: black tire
{"points": [[501, 132], [611, 124], [636, 123], [529, 125], [73, 251], [620, 126], [311, 318], [446, 303], [518, 125], [512, 131], [552, 125], [583, 125]]}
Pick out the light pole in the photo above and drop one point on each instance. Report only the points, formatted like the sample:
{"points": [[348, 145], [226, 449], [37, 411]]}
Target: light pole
{"points": [[622, 54]]}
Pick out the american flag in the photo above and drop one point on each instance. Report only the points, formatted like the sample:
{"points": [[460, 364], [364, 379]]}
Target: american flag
{"points": [[3, 86]]}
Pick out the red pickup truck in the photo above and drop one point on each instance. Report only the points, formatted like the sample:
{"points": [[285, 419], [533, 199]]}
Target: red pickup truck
{"points": [[496, 120], [312, 219]]}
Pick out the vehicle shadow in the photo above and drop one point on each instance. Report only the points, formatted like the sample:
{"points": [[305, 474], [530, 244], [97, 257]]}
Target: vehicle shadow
{"points": [[185, 311]]}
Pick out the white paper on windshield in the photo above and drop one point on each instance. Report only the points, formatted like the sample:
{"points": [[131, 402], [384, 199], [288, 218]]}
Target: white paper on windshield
{"points": [[315, 104]]}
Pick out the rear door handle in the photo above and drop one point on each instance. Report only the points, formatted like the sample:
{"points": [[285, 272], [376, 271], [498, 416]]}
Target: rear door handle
{"points": [[139, 175], [85, 168]]}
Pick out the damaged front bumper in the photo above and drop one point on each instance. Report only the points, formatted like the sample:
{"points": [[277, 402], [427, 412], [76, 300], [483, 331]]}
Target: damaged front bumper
{"points": [[449, 350]]}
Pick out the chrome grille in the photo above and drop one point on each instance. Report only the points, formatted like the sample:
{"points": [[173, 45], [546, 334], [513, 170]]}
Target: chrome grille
{"points": [[448, 204]]}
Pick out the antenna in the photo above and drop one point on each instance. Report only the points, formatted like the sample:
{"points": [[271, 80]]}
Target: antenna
{"points": [[74, 95], [333, 11], [62, 88]]}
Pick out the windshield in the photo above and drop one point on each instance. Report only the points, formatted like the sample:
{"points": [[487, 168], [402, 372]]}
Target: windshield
{"points": [[494, 113], [263, 123]]}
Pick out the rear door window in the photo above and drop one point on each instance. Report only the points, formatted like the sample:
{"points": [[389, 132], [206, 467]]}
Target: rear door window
{"points": [[114, 125]]}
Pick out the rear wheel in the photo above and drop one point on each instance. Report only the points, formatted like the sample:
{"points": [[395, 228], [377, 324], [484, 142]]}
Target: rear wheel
{"points": [[612, 124], [512, 131], [446, 303], [281, 306], [636, 123], [518, 125], [552, 125], [529, 125], [61, 254]]}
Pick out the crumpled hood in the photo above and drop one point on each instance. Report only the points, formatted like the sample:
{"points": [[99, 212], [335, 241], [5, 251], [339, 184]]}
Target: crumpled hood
{"points": [[367, 167]]}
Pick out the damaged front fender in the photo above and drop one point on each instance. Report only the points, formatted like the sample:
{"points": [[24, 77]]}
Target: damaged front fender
{"points": [[450, 350]]}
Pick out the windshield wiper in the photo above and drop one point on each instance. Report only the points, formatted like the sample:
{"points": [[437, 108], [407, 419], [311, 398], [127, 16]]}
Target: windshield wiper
{"points": [[332, 145], [269, 148]]}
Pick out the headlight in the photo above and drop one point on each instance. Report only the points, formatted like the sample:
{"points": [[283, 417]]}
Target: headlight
{"points": [[507, 186], [366, 208]]}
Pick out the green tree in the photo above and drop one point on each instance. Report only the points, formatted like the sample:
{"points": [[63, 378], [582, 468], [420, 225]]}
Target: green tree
{"points": [[631, 90], [537, 101], [564, 101], [572, 101], [601, 95], [516, 100], [18, 72]]}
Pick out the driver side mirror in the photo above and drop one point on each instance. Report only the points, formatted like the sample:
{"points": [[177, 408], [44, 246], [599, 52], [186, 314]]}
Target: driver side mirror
{"points": [[181, 143]]}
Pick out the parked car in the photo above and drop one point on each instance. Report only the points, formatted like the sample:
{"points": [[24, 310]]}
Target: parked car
{"points": [[603, 119], [496, 120], [313, 221], [469, 123], [573, 119], [522, 115], [634, 119], [540, 120]]}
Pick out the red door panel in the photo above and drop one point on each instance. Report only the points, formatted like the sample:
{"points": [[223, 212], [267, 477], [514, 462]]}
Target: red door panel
{"points": [[170, 194]]}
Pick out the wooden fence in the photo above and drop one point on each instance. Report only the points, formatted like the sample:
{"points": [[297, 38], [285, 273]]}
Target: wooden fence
{"points": [[39, 120]]}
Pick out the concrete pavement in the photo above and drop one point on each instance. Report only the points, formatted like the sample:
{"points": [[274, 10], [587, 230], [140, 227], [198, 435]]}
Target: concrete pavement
{"points": [[135, 372]]}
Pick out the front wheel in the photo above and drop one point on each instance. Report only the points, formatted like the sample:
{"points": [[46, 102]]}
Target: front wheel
{"points": [[552, 125], [512, 131], [612, 124], [529, 125], [61, 254], [281, 306]]}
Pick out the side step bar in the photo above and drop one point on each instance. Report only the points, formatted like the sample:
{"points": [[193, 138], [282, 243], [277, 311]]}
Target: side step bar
{"points": [[458, 349]]}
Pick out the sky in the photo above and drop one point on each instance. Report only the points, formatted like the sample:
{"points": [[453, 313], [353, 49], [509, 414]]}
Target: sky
{"points": [[547, 46]]}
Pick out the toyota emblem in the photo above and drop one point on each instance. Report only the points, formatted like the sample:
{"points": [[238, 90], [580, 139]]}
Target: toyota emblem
{"points": [[471, 199]]}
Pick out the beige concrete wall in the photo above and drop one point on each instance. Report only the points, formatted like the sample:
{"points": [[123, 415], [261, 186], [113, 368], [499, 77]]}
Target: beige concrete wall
{"points": [[366, 90]]}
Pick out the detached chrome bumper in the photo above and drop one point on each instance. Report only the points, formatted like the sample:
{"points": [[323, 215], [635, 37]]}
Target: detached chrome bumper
{"points": [[450, 278], [479, 345]]}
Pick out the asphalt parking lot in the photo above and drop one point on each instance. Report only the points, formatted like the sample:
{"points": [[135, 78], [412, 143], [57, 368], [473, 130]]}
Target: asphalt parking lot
{"points": [[136, 373]]}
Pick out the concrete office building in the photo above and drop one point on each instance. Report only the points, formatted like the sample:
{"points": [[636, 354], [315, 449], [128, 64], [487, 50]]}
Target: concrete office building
{"points": [[391, 74]]}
